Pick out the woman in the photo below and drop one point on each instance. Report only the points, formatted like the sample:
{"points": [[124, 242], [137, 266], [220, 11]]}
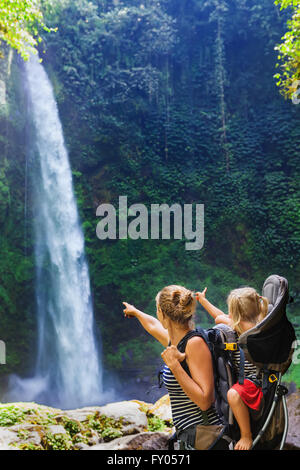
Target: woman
{"points": [[187, 376]]}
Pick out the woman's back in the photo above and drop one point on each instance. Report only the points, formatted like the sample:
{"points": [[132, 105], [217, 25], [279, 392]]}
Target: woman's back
{"points": [[185, 412]]}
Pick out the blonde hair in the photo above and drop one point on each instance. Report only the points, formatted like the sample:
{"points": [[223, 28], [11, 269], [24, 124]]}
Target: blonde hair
{"points": [[177, 303], [245, 304]]}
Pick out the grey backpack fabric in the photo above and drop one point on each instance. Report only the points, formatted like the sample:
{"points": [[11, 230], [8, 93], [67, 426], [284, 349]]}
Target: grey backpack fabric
{"points": [[224, 367]]}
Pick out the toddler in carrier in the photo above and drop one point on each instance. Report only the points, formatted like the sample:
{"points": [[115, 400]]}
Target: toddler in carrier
{"points": [[246, 308]]}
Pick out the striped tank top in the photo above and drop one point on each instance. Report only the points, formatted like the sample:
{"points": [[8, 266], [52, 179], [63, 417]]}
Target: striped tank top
{"points": [[185, 412]]}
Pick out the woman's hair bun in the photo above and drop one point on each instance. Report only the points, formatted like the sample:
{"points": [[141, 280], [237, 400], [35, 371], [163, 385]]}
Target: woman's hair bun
{"points": [[187, 299], [177, 303], [176, 297]]}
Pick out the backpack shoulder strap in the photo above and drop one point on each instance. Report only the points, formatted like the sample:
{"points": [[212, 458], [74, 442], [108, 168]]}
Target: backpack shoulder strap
{"points": [[231, 343], [197, 332]]}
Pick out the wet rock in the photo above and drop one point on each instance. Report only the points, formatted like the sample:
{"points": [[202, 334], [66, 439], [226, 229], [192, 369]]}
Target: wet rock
{"points": [[126, 425], [93, 439], [81, 446], [56, 429], [7, 437], [82, 414], [162, 408], [293, 437], [134, 419], [141, 441]]}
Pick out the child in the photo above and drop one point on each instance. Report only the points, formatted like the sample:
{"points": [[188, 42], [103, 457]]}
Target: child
{"points": [[246, 308]]}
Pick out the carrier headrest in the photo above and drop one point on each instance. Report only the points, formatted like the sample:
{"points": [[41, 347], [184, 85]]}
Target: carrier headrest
{"points": [[269, 343], [271, 290]]}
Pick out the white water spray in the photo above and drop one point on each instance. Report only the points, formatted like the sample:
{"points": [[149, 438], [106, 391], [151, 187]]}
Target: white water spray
{"points": [[68, 370]]}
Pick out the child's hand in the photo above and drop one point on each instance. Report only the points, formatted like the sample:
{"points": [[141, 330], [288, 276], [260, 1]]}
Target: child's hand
{"points": [[172, 356], [201, 295], [129, 311]]}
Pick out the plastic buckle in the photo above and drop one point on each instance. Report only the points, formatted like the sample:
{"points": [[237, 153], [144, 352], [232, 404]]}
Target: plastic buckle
{"points": [[230, 347], [272, 378]]}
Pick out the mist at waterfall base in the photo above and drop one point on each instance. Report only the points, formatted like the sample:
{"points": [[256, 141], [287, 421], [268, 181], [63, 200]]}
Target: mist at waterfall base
{"points": [[68, 371]]}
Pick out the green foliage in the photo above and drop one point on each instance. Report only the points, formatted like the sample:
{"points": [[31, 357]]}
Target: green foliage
{"points": [[196, 120], [19, 23], [57, 441], [289, 51], [10, 415], [155, 423], [171, 102], [107, 427], [73, 427], [29, 446], [293, 374]]}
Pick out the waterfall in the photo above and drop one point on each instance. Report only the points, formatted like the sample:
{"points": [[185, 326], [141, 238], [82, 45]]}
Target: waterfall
{"points": [[68, 370]]}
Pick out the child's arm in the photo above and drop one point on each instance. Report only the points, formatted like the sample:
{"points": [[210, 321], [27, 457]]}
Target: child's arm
{"points": [[216, 313], [149, 323]]}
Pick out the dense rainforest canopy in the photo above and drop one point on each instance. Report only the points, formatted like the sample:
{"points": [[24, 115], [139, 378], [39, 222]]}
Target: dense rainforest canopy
{"points": [[165, 102]]}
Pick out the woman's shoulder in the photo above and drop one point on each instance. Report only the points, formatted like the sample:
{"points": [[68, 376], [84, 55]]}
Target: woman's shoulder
{"points": [[196, 344]]}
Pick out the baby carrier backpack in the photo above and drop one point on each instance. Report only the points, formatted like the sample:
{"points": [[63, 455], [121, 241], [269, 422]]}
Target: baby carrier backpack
{"points": [[269, 346]]}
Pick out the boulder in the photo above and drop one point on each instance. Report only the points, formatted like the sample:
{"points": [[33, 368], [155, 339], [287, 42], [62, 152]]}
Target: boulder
{"points": [[162, 408], [21, 434], [81, 414], [133, 417], [7, 437], [56, 429], [124, 425], [293, 437], [141, 441]]}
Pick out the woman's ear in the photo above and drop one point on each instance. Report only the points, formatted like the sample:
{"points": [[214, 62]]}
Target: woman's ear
{"points": [[162, 317]]}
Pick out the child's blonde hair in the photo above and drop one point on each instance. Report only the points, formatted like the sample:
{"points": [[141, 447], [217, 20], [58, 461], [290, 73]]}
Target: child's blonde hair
{"points": [[177, 303], [245, 304]]}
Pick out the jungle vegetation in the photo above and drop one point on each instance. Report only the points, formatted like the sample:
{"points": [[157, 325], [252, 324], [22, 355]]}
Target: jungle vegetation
{"points": [[170, 101]]}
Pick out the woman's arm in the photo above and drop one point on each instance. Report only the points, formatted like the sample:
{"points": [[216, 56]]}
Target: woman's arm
{"points": [[200, 386], [210, 308], [149, 323]]}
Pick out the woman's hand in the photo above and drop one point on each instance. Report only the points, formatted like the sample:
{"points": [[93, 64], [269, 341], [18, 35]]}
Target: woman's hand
{"points": [[201, 295], [172, 356], [149, 323], [130, 311]]}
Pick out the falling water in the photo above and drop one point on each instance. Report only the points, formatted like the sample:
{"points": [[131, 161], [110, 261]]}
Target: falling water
{"points": [[68, 372]]}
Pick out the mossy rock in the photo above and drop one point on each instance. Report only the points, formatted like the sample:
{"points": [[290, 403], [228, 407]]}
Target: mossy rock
{"points": [[29, 426]]}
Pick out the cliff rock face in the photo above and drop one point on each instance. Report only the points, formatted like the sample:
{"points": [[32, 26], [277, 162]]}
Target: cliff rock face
{"points": [[126, 425]]}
